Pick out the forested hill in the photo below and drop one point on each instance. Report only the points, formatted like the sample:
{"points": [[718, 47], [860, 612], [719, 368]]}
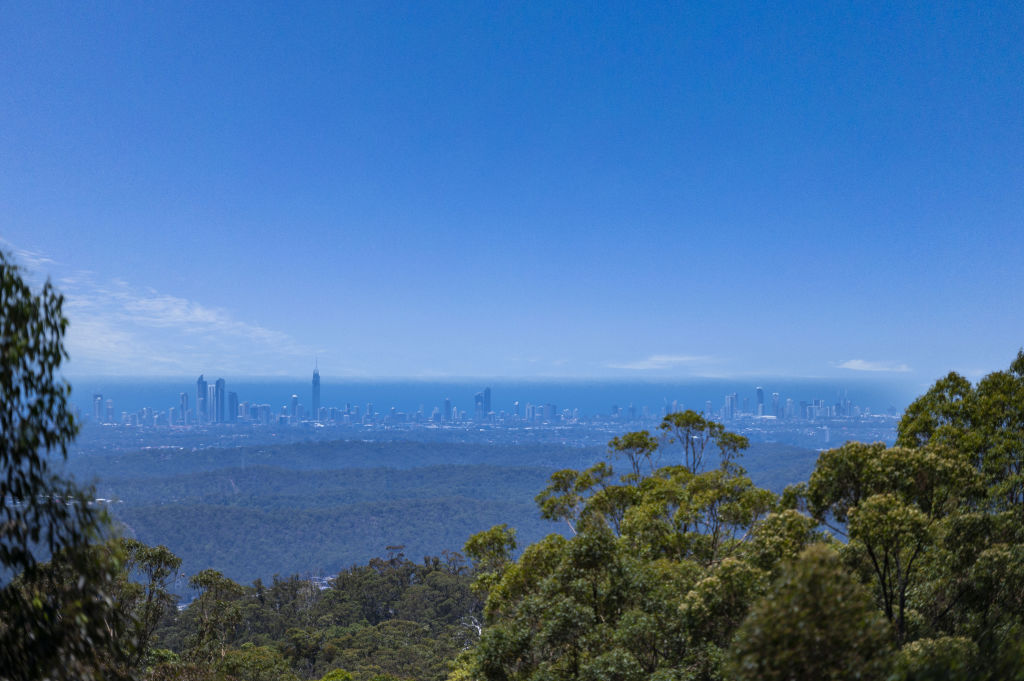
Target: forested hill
{"points": [[318, 507], [314, 456], [770, 464]]}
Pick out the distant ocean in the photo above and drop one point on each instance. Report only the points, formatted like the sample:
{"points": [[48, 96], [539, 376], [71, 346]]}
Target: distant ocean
{"points": [[590, 398]]}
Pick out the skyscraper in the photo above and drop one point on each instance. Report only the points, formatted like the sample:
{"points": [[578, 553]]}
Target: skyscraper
{"points": [[232, 407], [97, 407], [201, 405], [760, 401], [487, 401], [316, 393], [731, 406], [183, 397], [219, 395]]}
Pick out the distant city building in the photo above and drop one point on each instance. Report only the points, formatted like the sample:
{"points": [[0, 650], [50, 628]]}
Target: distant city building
{"points": [[810, 421], [731, 406], [201, 404], [219, 397], [316, 393]]}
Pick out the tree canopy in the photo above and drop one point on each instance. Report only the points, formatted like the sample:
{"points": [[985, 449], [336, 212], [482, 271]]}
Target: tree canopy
{"points": [[56, 587], [903, 562]]}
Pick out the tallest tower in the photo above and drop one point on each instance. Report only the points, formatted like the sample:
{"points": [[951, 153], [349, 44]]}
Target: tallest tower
{"points": [[316, 393], [202, 406]]}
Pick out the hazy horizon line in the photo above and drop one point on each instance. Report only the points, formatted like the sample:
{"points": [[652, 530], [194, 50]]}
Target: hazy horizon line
{"points": [[282, 378]]}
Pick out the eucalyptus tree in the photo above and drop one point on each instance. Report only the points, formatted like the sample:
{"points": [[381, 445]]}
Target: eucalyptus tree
{"points": [[56, 588], [815, 623], [661, 566]]}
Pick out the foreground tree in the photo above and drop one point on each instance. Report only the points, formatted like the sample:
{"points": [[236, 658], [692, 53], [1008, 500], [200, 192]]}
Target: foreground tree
{"points": [[668, 570], [985, 422], [933, 525], [661, 568], [815, 623], [57, 616], [974, 590]]}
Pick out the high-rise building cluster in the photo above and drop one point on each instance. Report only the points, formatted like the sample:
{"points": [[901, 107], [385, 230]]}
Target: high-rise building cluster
{"points": [[214, 405], [783, 409]]}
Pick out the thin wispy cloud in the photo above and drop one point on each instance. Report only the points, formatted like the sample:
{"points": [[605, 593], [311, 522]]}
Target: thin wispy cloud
{"points": [[29, 259], [661, 362], [117, 328], [868, 365]]}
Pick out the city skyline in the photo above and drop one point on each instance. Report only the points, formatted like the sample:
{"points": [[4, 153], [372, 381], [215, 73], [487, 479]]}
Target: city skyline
{"points": [[210, 408], [598, 191], [470, 413]]}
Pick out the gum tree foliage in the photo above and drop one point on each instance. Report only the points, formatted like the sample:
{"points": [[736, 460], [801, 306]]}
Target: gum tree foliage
{"points": [[218, 610], [984, 421], [895, 502], [661, 568], [391, 618], [143, 597], [975, 564], [665, 563], [934, 525], [815, 623], [58, 616], [42, 513]]}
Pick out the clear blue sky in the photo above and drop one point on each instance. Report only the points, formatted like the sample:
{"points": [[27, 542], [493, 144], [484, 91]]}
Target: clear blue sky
{"points": [[521, 189]]}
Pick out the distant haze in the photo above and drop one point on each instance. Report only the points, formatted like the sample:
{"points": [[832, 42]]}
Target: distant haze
{"points": [[594, 397]]}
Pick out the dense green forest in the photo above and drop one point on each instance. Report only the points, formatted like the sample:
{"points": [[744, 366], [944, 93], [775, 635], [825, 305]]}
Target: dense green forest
{"points": [[316, 508], [251, 543], [391, 618], [316, 456]]}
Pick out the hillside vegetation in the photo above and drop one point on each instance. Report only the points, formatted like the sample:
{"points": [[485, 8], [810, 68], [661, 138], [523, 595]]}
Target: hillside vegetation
{"points": [[902, 563], [317, 508]]}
